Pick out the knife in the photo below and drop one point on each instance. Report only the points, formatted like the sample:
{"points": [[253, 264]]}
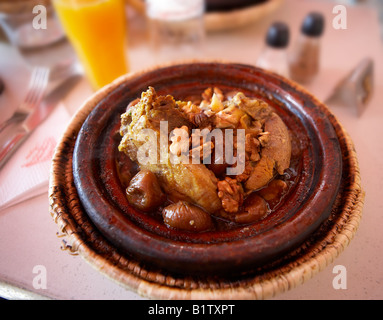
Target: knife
{"points": [[12, 137]]}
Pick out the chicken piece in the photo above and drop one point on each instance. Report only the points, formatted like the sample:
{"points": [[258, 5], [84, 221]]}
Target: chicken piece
{"points": [[276, 153], [278, 146], [193, 183], [190, 182], [148, 114], [261, 174]]}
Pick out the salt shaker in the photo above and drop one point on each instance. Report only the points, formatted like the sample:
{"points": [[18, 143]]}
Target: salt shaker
{"points": [[176, 29], [305, 57], [274, 56]]}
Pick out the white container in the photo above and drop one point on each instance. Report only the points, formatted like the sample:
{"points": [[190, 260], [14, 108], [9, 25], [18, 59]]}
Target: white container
{"points": [[274, 56], [275, 60]]}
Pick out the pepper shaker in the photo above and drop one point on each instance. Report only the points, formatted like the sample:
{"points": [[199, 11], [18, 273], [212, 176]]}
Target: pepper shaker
{"points": [[274, 55], [305, 58]]}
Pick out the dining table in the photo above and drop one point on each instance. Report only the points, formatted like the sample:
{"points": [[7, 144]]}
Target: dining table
{"points": [[30, 244]]}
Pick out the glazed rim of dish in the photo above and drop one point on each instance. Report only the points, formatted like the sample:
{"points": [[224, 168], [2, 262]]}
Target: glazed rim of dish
{"points": [[209, 252]]}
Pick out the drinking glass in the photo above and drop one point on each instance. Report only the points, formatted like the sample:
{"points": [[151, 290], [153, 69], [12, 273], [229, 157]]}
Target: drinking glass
{"points": [[29, 24], [176, 29], [97, 30]]}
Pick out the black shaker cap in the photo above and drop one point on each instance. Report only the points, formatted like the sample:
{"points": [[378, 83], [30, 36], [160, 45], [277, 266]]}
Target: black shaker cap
{"points": [[313, 24], [278, 35]]}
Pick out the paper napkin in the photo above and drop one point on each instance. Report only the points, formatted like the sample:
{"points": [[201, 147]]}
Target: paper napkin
{"points": [[26, 174]]}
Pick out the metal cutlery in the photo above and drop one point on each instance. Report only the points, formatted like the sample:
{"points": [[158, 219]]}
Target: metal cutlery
{"points": [[35, 93], [11, 135], [46, 89]]}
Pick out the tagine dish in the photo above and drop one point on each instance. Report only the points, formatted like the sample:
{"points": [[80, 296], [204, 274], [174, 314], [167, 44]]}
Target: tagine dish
{"points": [[206, 180]]}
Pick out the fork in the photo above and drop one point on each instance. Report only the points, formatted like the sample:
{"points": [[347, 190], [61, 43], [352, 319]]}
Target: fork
{"points": [[35, 93]]}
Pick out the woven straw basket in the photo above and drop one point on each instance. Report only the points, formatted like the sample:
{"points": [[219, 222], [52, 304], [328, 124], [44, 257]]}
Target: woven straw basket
{"points": [[318, 251]]}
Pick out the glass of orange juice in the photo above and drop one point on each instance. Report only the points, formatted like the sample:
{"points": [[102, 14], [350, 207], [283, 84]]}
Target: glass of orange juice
{"points": [[97, 31]]}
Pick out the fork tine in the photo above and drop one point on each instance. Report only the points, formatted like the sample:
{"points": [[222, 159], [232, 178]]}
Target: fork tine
{"points": [[34, 79], [40, 79], [35, 93], [43, 83]]}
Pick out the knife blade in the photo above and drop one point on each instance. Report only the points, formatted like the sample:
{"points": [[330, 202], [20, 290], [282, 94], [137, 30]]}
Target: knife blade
{"points": [[12, 137]]}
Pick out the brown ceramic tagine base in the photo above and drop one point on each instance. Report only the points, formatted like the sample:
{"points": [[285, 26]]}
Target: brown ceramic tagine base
{"points": [[318, 218]]}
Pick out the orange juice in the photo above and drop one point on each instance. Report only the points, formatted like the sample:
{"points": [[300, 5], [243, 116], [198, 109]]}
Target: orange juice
{"points": [[97, 31]]}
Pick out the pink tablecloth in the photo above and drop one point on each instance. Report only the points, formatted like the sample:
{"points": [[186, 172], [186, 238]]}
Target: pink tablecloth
{"points": [[28, 234]]}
